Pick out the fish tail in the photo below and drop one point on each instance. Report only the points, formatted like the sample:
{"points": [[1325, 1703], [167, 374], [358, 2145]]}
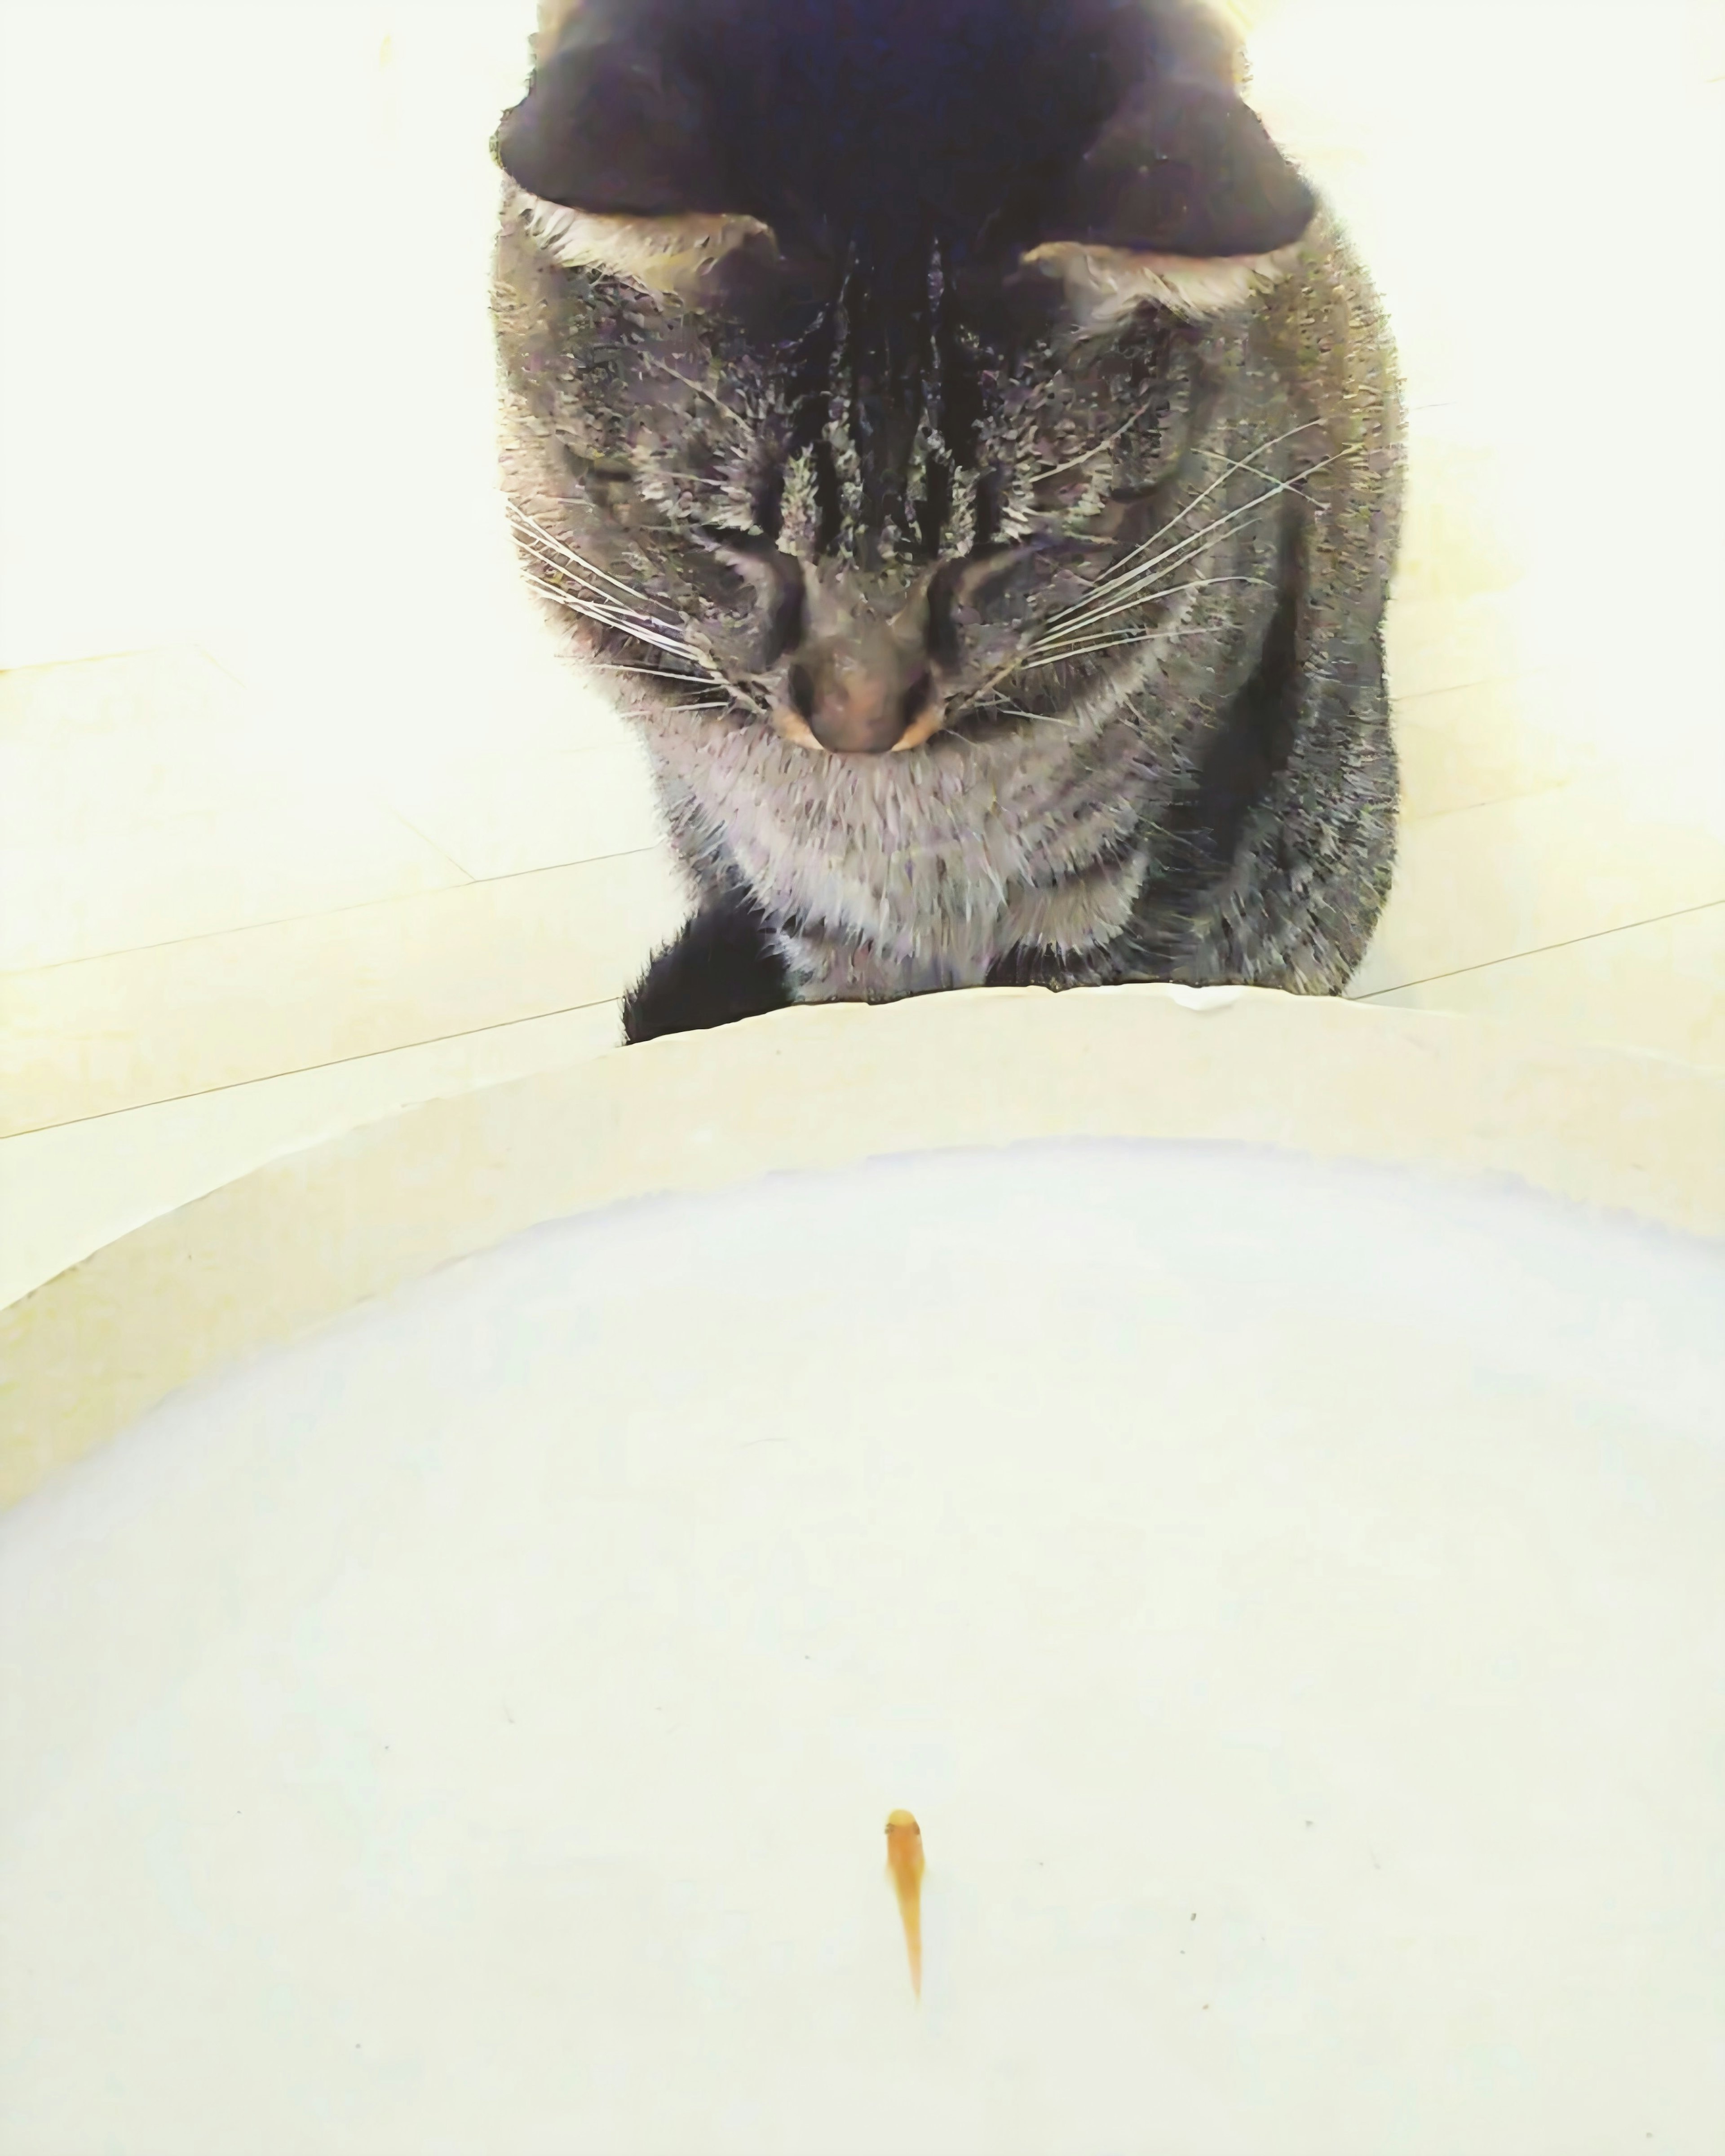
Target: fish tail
{"points": [[911, 1912]]}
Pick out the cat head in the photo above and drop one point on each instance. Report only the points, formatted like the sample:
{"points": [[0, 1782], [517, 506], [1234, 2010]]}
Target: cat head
{"points": [[861, 327]]}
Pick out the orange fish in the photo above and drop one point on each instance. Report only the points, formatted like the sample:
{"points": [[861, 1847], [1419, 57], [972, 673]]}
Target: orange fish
{"points": [[904, 1868]]}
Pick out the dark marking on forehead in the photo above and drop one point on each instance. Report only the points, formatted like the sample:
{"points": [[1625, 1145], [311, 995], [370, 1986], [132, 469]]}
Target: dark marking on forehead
{"points": [[885, 396]]}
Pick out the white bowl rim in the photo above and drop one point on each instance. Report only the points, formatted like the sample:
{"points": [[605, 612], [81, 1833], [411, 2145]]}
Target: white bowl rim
{"points": [[276, 1252]]}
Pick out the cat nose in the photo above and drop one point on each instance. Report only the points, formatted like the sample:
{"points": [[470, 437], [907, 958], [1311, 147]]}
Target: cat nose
{"points": [[859, 699]]}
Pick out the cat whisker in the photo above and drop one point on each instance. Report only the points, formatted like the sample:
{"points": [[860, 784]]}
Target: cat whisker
{"points": [[1130, 565], [576, 603], [559, 575], [583, 602], [650, 673], [1038, 719], [555, 578], [692, 478], [1107, 442], [984, 704], [1257, 449], [1076, 639], [1256, 471], [1082, 624], [542, 557], [1249, 462], [1121, 591], [646, 629], [701, 389], [1131, 568], [537, 531], [1084, 651], [1129, 589], [1114, 644]]}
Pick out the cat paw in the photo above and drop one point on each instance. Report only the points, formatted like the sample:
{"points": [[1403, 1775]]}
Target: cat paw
{"points": [[721, 968]]}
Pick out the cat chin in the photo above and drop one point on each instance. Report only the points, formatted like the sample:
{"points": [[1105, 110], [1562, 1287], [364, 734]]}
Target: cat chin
{"points": [[1105, 285], [671, 255]]}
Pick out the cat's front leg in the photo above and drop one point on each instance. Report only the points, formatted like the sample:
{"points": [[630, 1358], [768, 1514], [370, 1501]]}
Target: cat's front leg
{"points": [[724, 966], [1298, 905], [826, 969]]}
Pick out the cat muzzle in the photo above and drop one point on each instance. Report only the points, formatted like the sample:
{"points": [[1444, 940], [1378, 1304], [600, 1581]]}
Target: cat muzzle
{"points": [[860, 699]]}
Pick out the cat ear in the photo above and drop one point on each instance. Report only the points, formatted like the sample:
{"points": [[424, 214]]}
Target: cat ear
{"points": [[617, 153], [1182, 199]]}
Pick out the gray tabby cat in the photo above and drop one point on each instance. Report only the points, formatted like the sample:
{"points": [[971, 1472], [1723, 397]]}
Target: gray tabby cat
{"points": [[975, 458]]}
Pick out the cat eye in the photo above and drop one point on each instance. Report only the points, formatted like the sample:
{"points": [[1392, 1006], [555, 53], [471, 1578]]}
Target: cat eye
{"points": [[965, 581], [598, 471], [728, 540], [776, 579], [964, 587]]}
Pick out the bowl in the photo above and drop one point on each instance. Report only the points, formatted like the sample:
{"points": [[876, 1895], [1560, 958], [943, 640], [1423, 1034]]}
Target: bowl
{"points": [[1246, 1477]]}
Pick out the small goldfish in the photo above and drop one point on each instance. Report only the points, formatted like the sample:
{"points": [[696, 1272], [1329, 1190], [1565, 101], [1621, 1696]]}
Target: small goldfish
{"points": [[904, 1868]]}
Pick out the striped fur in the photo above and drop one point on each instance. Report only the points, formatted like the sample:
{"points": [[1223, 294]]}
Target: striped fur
{"points": [[1140, 550]]}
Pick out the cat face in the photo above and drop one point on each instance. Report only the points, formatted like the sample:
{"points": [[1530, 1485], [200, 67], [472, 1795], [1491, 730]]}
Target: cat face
{"points": [[861, 341]]}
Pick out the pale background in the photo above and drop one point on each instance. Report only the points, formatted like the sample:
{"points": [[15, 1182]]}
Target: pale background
{"points": [[300, 821]]}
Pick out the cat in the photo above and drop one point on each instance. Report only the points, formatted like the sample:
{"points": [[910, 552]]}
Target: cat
{"points": [[975, 456]]}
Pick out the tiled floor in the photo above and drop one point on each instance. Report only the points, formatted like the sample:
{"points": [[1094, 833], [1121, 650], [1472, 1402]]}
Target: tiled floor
{"points": [[332, 833]]}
